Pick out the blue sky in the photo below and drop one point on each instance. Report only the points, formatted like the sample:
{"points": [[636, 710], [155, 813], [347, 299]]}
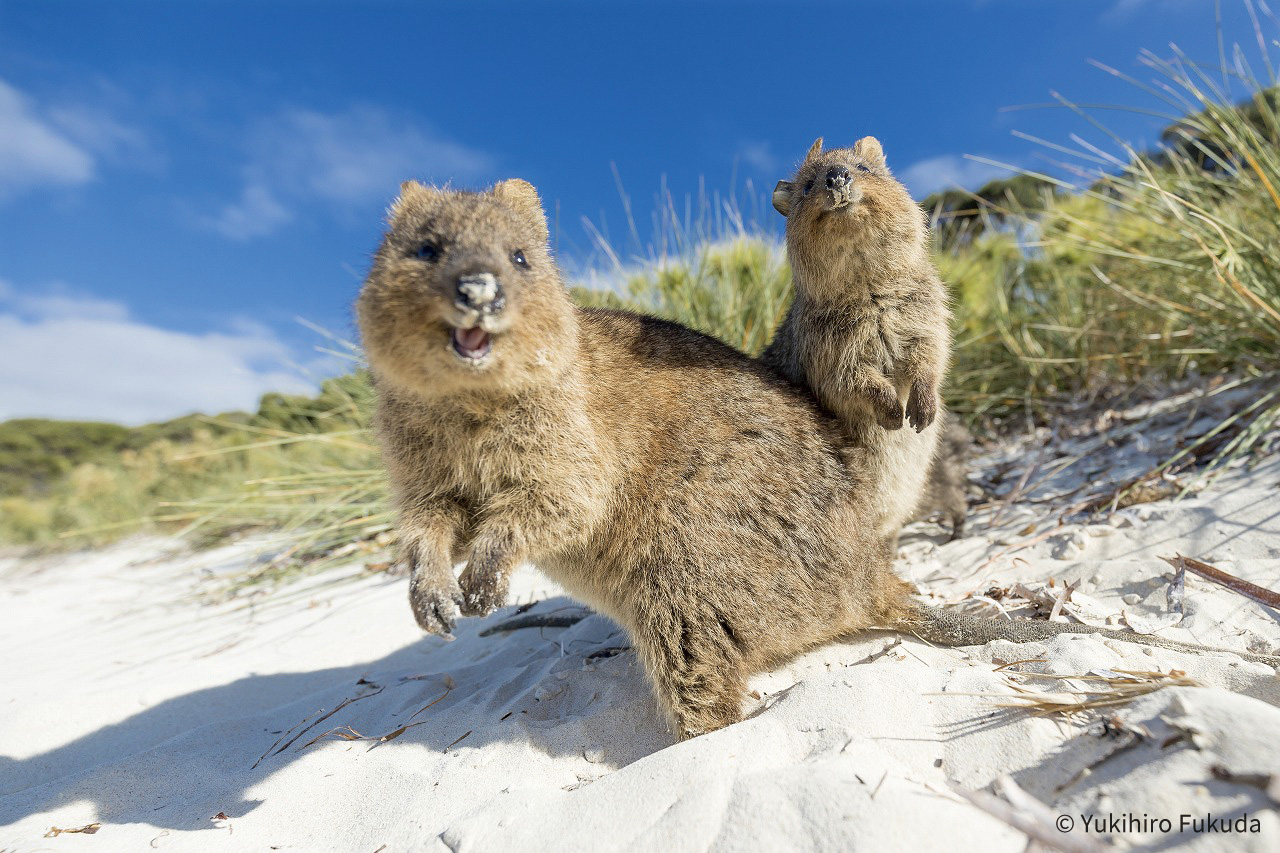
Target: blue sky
{"points": [[180, 180]]}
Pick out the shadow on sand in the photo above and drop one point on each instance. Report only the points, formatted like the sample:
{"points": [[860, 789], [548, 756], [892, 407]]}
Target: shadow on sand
{"points": [[214, 745]]}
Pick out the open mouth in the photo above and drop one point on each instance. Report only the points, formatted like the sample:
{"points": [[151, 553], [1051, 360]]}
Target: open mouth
{"points": [[840, 198], [472, 344]]}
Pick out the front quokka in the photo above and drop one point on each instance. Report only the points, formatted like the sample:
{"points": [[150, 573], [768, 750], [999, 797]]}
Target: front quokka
{"points": [[658, 475], [663, 478], [869, 331]]}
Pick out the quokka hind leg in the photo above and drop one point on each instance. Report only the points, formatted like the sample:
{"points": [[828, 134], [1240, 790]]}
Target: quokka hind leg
{"points": [[697, 671]]}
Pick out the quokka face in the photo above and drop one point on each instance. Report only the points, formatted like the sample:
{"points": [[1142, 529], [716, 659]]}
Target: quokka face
{"points": [[845, 204], [448, 309]]}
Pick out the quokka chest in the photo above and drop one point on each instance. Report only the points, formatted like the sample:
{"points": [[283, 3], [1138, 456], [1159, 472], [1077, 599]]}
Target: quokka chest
{"points": [[481, 457], [869, 336]]}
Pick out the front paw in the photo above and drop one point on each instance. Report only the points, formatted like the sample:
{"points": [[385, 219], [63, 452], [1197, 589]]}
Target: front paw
{"points": [[436, 610], [922, 405], [887, 409], [482, 592], [483, 582]]}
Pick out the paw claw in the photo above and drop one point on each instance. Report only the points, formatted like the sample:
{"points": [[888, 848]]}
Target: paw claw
{"points": [[437, 611]]}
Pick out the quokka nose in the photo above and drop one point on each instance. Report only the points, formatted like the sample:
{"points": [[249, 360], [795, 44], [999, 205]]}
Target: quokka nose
{"points": [[837, 177], [481, 292]]}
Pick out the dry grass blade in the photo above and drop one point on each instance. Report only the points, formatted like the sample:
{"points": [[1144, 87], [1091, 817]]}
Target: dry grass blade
{"points": [[341, 732], [1112, 687], [432, 702], [350, 734], [344, 703], [1017, 662], [282, 737]]}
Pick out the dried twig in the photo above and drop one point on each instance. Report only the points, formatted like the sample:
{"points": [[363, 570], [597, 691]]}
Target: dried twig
{"points": [[1262, 595], [1030, 816], [1017, 662], [1268, 782], [544, 620], [1063, 597], [874, 656], [87, 829]]}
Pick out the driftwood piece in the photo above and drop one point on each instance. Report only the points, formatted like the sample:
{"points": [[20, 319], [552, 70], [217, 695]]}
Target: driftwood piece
{"points": [[536, 620], [1262, 595]]}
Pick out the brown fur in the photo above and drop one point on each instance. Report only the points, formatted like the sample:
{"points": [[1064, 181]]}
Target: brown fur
{"points": [[869, 330], [665, 479], [947, 483]]}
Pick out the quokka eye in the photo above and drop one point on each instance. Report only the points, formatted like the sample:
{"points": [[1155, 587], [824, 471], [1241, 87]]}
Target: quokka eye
{"points": [[427, 252], [862, 167], [808, 187], [517, 258]]}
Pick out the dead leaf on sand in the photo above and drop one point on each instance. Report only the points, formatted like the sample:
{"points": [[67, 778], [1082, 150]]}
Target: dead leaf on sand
{"points": [[87, 829]]}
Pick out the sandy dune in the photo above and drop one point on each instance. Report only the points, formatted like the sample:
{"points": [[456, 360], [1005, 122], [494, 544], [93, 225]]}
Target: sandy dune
{"points": [[132, 700]]}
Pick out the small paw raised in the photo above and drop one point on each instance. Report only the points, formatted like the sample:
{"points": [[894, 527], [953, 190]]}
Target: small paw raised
{"points": [[484, 580], [922, 405], [482, 592], [436, 610]]}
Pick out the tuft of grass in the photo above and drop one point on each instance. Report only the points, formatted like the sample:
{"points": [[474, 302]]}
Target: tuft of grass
{"points": [[296, 464], [737, 290], [712, 267], [1097, 689]]}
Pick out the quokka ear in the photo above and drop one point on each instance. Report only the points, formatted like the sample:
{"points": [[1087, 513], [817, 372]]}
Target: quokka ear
{"points": [[782, 197], [814, 150], [522, 196], [868, 148], [410, 191]]}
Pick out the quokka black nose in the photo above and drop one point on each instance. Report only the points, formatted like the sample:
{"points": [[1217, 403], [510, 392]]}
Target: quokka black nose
{"points": [[481, 292], [837, 177]]}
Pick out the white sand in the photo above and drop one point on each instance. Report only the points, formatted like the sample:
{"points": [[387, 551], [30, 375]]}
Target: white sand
{"points": [[129, 700]]}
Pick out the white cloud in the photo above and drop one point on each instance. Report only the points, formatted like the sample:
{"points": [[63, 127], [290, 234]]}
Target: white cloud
{"points": [[62, 144], [1123, 11], [349, 158], [759, 156], [67, 355], [940, 173], [1124, 8], [33, 151], [97, 131], [256, 214]]}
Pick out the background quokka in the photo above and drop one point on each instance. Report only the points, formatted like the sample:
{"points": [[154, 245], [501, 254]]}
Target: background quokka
{"points": [[665, 479], [869, 331]]}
